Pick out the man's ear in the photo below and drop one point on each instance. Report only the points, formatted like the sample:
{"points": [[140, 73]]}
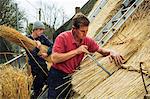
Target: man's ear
{"points": [[73, 27]]}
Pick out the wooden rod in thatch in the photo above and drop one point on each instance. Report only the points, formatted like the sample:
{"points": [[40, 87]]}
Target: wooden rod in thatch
{"points": [[16, 37]]}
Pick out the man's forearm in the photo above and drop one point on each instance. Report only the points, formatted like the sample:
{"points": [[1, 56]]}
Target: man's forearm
{"points": [[104, 52], [61, 57]]}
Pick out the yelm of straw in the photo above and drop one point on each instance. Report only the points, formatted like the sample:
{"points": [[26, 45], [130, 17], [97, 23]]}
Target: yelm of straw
{"points": [[14, 36], [14, 83]]}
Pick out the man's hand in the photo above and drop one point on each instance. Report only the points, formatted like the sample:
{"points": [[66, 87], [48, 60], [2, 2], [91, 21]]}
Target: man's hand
{"points": [[117, 58], [44, 55], [38, 43], [81, 49]]}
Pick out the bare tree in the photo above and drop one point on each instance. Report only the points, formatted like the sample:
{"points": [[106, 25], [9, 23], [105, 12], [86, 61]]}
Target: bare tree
{"points": [[53, 15]]}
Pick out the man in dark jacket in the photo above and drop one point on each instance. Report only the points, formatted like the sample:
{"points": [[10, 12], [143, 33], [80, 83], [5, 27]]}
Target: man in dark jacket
{"points": [[38, 64]]}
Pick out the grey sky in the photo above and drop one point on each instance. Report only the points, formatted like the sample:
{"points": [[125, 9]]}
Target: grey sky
{"points": [[31, 7]]}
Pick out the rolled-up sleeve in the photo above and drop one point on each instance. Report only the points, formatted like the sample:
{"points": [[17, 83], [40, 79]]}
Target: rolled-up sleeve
{"points": [[59, 45], [92, 45]]}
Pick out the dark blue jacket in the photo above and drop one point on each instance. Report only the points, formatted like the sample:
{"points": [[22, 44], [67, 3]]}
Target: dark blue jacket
{"points": [[34, 67]]}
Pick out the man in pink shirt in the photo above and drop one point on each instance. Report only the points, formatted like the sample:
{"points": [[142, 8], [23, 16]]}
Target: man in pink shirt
{"points": [[68, 51]]}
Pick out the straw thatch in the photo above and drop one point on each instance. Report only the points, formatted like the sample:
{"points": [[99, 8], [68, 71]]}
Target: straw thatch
{"points": [[132, 41], [104, 16], [16, 37], [122, 84], [14, 83]]}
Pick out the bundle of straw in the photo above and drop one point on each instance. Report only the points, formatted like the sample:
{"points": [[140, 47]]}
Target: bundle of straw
{"points": [[1, 94], [14, 83], [14, 36]]}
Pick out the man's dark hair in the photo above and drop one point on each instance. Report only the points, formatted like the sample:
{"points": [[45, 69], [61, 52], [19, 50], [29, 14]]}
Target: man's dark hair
{"points": [[80, 20]]}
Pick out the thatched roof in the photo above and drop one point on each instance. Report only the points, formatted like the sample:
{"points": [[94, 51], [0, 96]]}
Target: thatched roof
{"points": [[103, 16], [132, 41]]}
